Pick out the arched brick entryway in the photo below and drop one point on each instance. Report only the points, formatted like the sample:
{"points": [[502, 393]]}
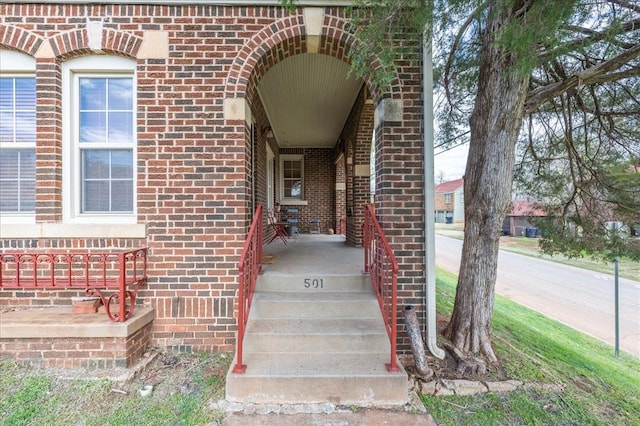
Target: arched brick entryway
{"points": [[397, 110]]}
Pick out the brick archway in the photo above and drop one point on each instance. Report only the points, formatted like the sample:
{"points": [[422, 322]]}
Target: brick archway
{"points": [[74, 43], [20, 39], [398, 112], [70, 43], [287, 37]]}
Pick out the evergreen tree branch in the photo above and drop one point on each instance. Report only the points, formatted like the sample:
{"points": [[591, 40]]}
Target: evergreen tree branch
{"points": [[600, 73]]}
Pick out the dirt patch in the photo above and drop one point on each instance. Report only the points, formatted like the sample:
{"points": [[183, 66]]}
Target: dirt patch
{"points": [[168, 373], [172, 372]]}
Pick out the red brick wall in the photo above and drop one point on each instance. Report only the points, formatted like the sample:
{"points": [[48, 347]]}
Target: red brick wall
{"points": [[78, 352], [193, 165]]}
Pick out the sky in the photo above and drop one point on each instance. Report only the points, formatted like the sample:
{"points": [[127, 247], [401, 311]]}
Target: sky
{"points": [[450, 164]]}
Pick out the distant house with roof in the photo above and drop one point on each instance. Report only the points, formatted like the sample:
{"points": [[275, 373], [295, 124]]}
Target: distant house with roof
{"points": [[519, 219], [449, 201]]}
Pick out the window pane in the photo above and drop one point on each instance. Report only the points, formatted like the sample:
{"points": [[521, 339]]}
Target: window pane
{"points": [[93, 94], [6, 126], [107, 181], [122, 196], [287, 188], [96, 196], [9, 196], [121, 94], [6, 94], [93, 127], [296, 189], [25, 94], [122, 164], [9, 164], [28, 165], [26, 126], [121, 127], [17, 180], [95, 164], [28, 195], [17, 109]]}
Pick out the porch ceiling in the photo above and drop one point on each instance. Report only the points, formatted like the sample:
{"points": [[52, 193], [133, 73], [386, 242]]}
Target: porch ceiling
{"points": [[307, 99]]}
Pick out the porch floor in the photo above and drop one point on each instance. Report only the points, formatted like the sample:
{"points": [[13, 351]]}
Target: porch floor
{"points": [[314, 254]]}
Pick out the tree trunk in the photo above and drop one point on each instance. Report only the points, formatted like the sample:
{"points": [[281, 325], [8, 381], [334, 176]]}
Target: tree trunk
{"points": [[495, 124]]}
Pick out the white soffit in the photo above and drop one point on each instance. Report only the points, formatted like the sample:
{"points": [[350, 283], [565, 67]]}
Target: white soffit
{"points": [[308, 98]]}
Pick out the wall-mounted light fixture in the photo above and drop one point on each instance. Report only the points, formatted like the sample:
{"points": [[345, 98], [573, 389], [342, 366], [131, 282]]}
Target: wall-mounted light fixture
{"points": [[267, 132]]}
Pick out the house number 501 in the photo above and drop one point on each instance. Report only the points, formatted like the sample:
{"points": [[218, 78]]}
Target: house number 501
{"points": [[313, 283]]}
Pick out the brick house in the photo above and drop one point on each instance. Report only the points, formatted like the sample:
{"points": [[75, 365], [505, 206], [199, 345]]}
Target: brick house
{"points": [[163, 124], [449, 201], [517, 222]]}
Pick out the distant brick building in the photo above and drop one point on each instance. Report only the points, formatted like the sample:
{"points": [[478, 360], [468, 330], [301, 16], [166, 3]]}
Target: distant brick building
{"points": [[449, 201], [517, 221], [129, 125]]}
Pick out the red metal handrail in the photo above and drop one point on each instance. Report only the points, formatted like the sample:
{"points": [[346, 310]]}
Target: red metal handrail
{"points": [[249, 266], [93, 272], [382, 266]]}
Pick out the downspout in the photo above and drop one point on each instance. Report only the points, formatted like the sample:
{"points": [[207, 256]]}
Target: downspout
{"points": [[429, 198]]}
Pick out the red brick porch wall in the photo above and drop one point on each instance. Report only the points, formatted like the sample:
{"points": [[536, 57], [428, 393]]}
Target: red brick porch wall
{"points": [[78, 352]]}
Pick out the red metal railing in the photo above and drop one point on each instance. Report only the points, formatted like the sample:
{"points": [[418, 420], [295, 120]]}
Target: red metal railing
{"points": [[381, 265], [249, 266], [94, 272]]}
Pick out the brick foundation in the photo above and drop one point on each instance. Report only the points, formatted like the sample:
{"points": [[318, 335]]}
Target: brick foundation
{"points": [[54, 338]]}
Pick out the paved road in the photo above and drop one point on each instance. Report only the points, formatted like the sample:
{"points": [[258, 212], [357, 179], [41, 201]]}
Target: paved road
{"points": [[579, 298]]}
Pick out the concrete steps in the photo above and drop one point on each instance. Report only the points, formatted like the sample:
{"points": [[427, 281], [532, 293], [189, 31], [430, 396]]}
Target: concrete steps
{"points": [[314, 340]]}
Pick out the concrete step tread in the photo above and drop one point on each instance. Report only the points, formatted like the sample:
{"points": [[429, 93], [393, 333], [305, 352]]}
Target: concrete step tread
{"points": [[370, 364], [311, 283], [320, 307], [326, 326], [316, 296], [316, 343]]}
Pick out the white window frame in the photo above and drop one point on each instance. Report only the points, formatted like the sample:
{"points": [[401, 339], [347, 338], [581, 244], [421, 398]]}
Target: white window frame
{"points": [[17, 64], [289, 200], [448, 198], [72, 71]]}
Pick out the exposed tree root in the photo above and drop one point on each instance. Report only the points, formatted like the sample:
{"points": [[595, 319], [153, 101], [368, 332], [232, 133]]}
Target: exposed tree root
{"points": [[467, 365]]}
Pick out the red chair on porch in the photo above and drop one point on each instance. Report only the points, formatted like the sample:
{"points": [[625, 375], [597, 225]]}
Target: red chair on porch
{"points": [[278, 226]]}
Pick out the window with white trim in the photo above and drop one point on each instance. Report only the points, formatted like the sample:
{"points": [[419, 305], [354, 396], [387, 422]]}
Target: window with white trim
{"points": [[292, 178], [100, 159], [17, 136]]}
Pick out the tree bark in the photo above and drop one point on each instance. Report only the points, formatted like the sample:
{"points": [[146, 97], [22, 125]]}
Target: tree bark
{"points": [[495, 124]]}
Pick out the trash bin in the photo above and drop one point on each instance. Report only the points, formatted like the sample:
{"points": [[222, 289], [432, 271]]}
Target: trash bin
{"points": [[531, 232], [449, 220]]}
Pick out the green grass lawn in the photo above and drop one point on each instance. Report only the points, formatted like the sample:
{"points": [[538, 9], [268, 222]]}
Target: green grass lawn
{"points": [[31, 399], [598, 388]]}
